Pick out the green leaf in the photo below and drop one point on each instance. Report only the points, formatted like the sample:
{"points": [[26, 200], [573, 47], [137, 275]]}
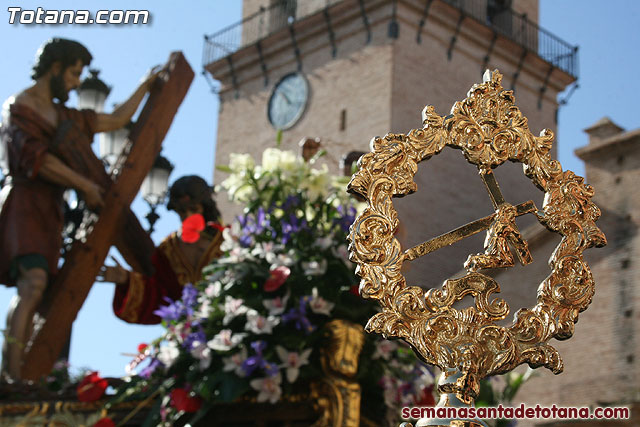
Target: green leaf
{"points": [[224, 168], [514, 382], [486, 397]]}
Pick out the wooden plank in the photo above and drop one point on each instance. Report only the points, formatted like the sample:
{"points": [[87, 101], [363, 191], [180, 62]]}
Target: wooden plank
{"points": [[76, 277], [133, 242]]}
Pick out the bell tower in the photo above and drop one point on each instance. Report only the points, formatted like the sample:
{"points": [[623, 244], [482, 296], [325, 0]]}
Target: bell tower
{"points": [[349, 70]]}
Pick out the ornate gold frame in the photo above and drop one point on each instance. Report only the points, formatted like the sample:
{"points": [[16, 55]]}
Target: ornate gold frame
{"points": [[489, 129]]}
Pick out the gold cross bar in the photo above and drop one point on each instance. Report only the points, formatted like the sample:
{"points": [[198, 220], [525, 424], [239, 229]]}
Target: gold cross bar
{"points": [[493, 188], [461, 232]]}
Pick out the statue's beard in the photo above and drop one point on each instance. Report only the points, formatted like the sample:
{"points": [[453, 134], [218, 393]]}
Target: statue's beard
{"points": [[58, 90]]}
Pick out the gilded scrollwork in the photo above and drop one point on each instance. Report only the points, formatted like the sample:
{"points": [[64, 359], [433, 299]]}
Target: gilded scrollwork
{"points": [[489, 129], [337, 396]]}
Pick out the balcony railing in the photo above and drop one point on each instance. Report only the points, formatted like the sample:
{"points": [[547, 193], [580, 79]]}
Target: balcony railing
{"points": [[514, 26]]}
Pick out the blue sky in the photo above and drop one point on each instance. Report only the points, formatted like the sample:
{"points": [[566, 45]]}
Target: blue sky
{"points": [[606, 32]]}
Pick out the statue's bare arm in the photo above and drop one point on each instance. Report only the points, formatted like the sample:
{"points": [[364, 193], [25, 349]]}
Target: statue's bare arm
{"points": [[122, 114], [54, 170]]}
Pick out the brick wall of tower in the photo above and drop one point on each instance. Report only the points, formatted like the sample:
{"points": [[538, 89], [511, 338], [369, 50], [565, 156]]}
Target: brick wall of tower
{"points": [[450, 192], [357, 80], [382, 87]]}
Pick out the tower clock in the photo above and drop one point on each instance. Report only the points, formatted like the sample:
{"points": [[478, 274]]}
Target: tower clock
{"points": [[288, 101]]}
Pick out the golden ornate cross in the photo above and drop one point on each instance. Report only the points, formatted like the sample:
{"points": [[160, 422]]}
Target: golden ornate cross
{"points": [[467, 344]]}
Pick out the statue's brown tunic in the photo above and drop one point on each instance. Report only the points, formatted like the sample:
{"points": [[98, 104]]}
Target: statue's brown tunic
{"points": [[31, 208]]}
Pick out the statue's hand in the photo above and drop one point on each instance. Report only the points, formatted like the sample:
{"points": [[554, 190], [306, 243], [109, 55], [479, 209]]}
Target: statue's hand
{"points": [[115, 274], [152, 75], [93, 196]]}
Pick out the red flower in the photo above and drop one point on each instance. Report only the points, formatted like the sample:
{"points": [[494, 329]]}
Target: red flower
{"points": [[105, 422], [181, 400], [191, 228], [355, 289], [276, 278], [426, 397], [91, 388], [142, 347]]}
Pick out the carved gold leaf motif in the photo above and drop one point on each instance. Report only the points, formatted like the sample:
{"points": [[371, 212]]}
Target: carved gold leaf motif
{"points": [[489, 129]]}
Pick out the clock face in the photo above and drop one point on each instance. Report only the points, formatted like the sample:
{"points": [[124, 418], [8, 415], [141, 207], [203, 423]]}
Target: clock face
{"points": [[288, 101]]}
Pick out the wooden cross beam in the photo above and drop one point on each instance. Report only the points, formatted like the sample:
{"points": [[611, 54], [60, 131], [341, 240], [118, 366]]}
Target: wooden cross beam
{"points": [[132, 241], [72, 285]]}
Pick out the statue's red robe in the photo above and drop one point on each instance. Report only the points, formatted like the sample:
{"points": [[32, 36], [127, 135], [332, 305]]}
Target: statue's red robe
{"points": [[135, 301]]}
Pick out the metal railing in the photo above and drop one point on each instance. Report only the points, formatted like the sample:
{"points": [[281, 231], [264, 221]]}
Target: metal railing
{"points": [[520, 29], [514, 26]]}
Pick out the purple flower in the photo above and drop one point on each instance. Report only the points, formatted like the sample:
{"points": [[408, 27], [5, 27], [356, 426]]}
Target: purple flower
{"points": [[292, 227], [290, 203], [254, 362], [197, 335], [245, 239], [299, 315], [253, 226], [172, 311], [177, 309], [149, 370], [346, 218], [189, 295], [262, 222]]}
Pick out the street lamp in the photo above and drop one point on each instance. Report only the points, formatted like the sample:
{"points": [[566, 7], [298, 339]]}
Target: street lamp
{"points": [[155, 187], [92, 92], [111, 143]]}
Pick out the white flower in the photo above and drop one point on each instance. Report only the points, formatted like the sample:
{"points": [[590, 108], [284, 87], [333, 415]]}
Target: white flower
{"points": [[238, 187], [317, 184], [240, 162], [205, 309], [259, 324], [233, 307], [168, 354], [202, 352], [213, 289], [230, 237], [323, 243], [271, 159], [225, 340], [292, 361], [286, 260], [181, 330], [288, 162], [268, 388], [277, 305], [274, 159], [315, 268], [384, 348], [265, 250], [234, 363], [319, 305]]}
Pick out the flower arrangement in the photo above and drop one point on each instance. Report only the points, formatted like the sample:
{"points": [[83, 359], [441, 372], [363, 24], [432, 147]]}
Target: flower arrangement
{"points": [[253, 326]]}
